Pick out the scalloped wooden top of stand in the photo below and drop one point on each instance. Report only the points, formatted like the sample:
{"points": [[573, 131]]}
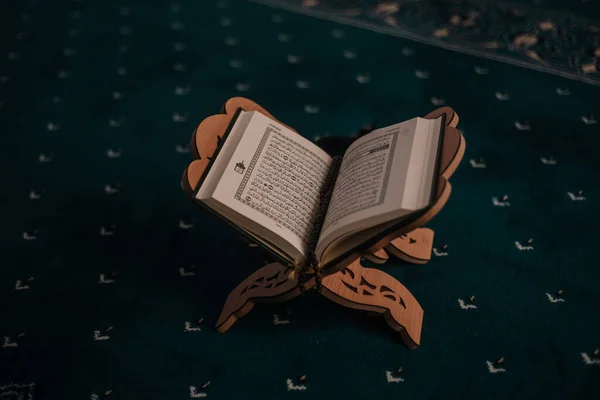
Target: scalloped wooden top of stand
{"points": [[207, 136], [346, 283]]}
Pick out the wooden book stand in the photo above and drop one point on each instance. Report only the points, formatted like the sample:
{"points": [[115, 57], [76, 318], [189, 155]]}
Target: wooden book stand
{"points": [[347, 283]]}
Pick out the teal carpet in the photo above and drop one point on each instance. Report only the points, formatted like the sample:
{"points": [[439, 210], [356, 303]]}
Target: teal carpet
{"points": [[557, 36], [105, 260]]}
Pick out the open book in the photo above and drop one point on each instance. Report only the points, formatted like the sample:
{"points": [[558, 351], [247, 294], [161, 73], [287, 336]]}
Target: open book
{"points": [[308, 208]]}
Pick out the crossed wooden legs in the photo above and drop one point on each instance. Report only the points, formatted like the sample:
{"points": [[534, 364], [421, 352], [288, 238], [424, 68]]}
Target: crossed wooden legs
{"points": [[357, 287], [354, 286], [270, 283]]}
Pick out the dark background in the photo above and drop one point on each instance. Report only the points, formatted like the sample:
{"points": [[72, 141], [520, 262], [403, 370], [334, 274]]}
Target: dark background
{"points": [[71, 91]]}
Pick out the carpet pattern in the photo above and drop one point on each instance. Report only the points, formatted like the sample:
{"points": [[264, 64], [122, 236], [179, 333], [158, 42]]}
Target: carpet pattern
{"points": [[112, 280], [521, 33]]}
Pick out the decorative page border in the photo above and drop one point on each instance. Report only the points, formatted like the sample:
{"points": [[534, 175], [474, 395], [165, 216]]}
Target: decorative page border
{"points": [[238, 195], [259, 149], [386, 178]]}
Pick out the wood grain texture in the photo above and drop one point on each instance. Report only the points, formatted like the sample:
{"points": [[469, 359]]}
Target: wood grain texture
{"points": [[206, 136], [378, 257], [346, 283], [270, 283], [373, 290], [452, 153], [414, 247], [453, 150]]}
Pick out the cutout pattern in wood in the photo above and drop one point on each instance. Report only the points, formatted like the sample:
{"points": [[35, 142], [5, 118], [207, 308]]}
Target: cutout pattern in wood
{"points": [[414, 247], [373, 290], [269, 283], [378, 257], [387, 296]]}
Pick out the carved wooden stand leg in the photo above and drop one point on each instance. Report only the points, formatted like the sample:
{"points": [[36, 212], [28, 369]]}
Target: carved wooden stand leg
{"points": [[270, 283], [353, 286], [356, 287], [373, 290]]}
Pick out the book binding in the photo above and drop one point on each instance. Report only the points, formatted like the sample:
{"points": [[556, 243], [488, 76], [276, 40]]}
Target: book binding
{"points": [[312, 267]]}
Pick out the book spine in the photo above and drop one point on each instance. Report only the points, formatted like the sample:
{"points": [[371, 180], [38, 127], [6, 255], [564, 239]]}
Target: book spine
{"points": [[312, 266]]}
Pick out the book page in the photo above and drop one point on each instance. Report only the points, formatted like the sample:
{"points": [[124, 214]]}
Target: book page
{"points": [[365, 173], [219, 164], [274, 179], [380, 176]]}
